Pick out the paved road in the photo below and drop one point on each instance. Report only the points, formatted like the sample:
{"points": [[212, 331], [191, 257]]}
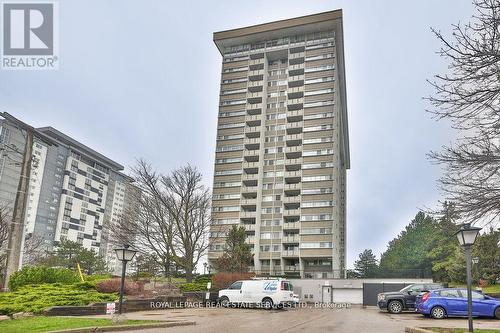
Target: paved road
{"points": [[352, 320]]}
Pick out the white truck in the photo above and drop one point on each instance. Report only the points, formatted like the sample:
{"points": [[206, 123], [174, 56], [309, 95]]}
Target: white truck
{"points": [[266, 293]]}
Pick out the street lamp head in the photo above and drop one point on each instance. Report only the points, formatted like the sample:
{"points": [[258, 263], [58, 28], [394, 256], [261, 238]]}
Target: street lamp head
{"points": [[475, 260], [125, 253], [467, 234]]}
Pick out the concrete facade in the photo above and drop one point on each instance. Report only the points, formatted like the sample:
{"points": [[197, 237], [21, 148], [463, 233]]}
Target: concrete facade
{"points": [[70, 188], [282, 145]]}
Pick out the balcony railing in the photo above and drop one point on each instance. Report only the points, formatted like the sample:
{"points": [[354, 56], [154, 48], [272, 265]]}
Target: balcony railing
{"points": [[291, 253], [291, 225], [291, 238]]}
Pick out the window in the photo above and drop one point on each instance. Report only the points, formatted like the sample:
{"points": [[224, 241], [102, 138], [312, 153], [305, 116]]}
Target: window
{"points": [[311, 204], [233, 102], [228, 184], [229, 148], [320, 217], [317, 140], [317, 178], [449, 293], [317, 165], [226, 196], [232, 114], [317, 190], [316, 104], [319, 92], [319, 68], [317, 152], [233, 91], [242, 79], [228, 160], [228, 172], [316, 231], [233, 125], [319, 46], [318, 128], [316, 245], [226, 221], [320, 80], [230, 137], [231, 59], [236, 286], [320, 56], [276, 116], [235, 69]]}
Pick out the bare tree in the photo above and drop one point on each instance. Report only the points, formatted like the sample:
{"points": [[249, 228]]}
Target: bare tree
{"points": [[34, 251], [469, 96], [188, 203], [145, 223], [5, 220], [171, 217]]}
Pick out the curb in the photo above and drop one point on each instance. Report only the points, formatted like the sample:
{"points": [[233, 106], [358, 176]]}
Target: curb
{"points": [[118, 328], [416, 330]]}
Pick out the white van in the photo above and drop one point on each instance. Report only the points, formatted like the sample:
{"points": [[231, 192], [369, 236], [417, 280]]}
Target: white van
{"points": [[266, 293]]}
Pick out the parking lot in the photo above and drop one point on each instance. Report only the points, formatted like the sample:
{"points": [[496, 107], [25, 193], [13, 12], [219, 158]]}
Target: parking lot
{"points": [[355, 319]]}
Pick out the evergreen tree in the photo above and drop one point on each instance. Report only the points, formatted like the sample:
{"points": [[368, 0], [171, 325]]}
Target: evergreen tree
{"points": [[407, 254], [237, 255], [366, 266]]}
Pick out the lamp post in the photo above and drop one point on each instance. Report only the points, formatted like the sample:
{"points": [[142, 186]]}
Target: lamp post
{"points": [[205, 268], [475, 261], [125, 255], [466, 237]]}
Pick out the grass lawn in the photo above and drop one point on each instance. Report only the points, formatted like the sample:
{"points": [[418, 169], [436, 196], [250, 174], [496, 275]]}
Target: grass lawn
{"points": [[493, 288], [463, 330], [45, 324]]}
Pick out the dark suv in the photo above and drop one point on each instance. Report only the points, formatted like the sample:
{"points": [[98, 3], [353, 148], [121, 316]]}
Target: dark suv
{"points": [[396, 302]]}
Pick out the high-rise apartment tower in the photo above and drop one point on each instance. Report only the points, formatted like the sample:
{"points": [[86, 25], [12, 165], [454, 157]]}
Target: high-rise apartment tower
{"points": [[282, 145]]}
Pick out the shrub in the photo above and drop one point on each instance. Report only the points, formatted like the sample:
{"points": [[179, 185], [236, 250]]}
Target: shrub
{"points": [[193, 286], [113, 286], [96, 277], [40, 275], [223, 280], [36, 298]]}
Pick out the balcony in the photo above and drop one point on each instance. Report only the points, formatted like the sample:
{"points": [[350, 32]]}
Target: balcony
{"points": [[293, 174], [252, 143], [252, 131], [255, 86], [293, 139], [295, 92], [295, 115], [254, 97], [250, 179], [258, 75], [256, 61], [297, 69], [291, 268], [248, 202], [295, 104], [295, 81], [253, 121], [291, 253], [293, 152], [292, 189], [296, 55], [249, 190], [252, 107], [248, 215], [249, 227], [251, 167], [294, 128], [291, 225], [291, 212], [295, 238], [292, 199]]}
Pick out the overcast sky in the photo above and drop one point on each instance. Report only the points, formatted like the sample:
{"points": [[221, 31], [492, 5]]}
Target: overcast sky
{"points": [[140, 79]]}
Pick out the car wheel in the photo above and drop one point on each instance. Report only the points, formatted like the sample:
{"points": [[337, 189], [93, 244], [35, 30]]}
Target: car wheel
{"points": [[438, 312], [395, 307], [224, 301], [267, 303], [497, 313]]}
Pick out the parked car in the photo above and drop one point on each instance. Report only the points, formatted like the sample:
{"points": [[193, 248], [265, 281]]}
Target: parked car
{"points": [[452, 302], [398, 301], [266, 293]]}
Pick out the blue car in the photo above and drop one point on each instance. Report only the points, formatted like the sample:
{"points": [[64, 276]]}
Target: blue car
{"points": [[452, 302]]}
